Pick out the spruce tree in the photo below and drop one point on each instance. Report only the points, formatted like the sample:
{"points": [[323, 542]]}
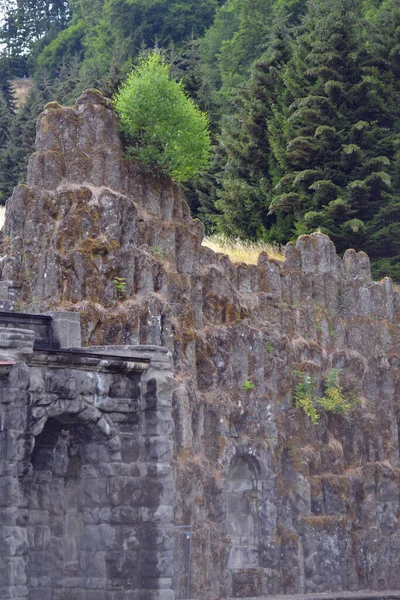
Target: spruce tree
{"points": [[248, 174], [342, 129], [6, 118], [6, 88], [21, 140], [383, 230]]}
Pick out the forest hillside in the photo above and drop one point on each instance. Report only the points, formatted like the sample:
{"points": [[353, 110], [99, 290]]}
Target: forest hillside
{"points": [[302, 99]]}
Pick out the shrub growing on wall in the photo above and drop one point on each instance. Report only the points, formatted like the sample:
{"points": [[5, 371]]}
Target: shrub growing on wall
{"points": [[166, 132]]}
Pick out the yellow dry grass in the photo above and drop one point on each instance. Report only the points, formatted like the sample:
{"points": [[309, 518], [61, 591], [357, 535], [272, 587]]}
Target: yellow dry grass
{"points": [[21, 87], [245, 251]]}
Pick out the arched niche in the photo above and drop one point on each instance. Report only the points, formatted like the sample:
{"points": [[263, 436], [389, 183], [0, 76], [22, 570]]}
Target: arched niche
{"points": [[243, 512], [66, 497]]}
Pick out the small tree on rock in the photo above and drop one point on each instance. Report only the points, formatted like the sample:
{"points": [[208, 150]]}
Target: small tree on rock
{"points": [[166, 132]]}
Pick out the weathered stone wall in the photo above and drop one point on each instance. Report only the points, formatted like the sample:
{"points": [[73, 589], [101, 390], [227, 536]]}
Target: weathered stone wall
{"points": [[86, 486], [277, 504]]}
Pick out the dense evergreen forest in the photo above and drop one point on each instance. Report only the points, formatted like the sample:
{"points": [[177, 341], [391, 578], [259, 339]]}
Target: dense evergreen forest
{"points": [[303, 98]]}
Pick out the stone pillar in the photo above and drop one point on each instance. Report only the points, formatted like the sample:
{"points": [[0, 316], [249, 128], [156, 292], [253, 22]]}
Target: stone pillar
{"points": [[66, 327], [157, 386], [156, 494], [15, 345]]}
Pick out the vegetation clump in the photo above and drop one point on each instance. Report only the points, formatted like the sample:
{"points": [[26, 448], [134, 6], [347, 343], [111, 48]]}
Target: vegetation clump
{"points": [[304, 395], [248, 385], [166, 132], [332, 399]]}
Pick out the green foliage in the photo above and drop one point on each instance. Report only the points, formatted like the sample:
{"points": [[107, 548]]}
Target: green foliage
{"points": [[159, 253], [5, 121], [21, 140], [65, 47], [342, 131], [302, 97], [303, 395], [120, 286], [332, 399], [166, 132], [127, 27], [246, 181], [248, 385], [6, 89], [25, 22]]}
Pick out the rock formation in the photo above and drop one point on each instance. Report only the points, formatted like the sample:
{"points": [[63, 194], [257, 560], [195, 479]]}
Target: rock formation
{"points": [[277, 504]]}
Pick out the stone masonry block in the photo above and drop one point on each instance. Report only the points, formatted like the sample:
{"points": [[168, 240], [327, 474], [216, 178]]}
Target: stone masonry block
{"points": [[66, 328]]}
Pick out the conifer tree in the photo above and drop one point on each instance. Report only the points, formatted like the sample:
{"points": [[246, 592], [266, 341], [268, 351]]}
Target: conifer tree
{"points": [[247, 177], [5, 120], [21, 140], [342, 129], [6, 88], [5, 125], [383, 230]]}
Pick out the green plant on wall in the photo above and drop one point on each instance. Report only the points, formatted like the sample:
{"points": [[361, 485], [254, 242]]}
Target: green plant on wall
{"points": [[159, 252], [333, 399], [120, 284], [304, 395], [248, 385]]}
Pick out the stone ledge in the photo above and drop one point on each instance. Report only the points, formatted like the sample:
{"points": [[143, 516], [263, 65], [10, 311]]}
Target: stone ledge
{"points": [[362, 595], [88, 361]]}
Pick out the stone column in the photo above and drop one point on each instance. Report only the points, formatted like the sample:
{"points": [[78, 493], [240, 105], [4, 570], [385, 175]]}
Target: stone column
{"points": [[153, 498], [15, 345], [159, 487]]}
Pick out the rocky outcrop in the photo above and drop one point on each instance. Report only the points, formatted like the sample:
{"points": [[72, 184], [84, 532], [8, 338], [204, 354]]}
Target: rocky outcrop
{"points": [[277, 504]]}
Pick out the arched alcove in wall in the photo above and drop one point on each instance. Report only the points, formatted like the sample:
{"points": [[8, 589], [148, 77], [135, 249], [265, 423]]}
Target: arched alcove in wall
{"points": [[66, 496], [243, 512]]}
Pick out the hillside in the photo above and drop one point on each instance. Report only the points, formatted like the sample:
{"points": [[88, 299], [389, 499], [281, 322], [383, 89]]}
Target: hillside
{"points": [[302, 98]]}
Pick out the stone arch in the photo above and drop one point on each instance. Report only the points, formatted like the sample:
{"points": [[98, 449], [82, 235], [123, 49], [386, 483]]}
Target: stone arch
{"points": [[86, 413], [243, 511], [68, 500]]}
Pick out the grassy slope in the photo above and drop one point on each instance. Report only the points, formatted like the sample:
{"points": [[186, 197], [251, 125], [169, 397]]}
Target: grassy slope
{"points": [[245, 251]]}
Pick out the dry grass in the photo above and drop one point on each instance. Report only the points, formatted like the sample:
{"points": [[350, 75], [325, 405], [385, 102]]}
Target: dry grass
{"points": [[22, 87], [245, 251], [2, 216]]}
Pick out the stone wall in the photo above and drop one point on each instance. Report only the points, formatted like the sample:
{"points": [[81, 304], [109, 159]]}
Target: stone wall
{"points": [[277, 504], [86, 486]]}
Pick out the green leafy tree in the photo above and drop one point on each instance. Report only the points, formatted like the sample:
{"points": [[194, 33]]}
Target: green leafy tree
{"points": [[166, 132]]}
